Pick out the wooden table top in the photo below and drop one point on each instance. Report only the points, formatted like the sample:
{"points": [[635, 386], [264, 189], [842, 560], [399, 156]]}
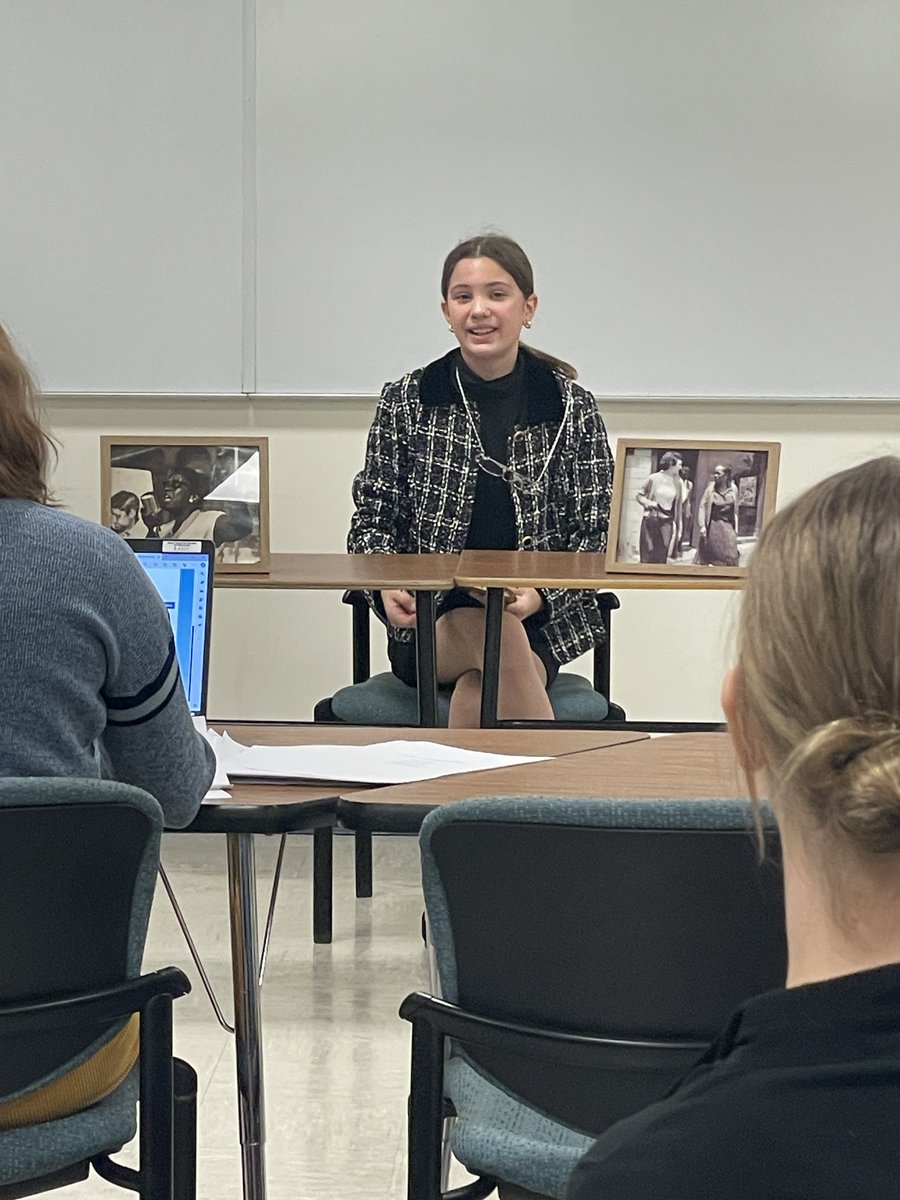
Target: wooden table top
{"points": [[565, 568], [323, 572], [473, 568], [677, 765], [556, 742]]}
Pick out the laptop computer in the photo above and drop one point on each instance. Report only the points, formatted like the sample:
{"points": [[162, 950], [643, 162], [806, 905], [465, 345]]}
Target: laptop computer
{"points": [[182, 573]]}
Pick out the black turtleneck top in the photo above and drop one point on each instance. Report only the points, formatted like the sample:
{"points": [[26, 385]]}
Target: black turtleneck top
{"points": [[498, 407]]}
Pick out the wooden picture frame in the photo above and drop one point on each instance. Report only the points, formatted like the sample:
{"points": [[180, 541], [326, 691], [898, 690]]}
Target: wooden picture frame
{"points": [[221, 492], [706, 525]]}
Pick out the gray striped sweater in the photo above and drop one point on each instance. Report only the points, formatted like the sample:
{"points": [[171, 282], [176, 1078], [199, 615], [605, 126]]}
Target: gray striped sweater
{"points": [[89, 682]]}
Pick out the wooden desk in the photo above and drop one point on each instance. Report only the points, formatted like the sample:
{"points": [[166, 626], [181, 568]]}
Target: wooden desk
{"points": [[401, 808], [568, 569], [278, 808], [497, 569], [677, 765], [423, 573], [499, 741], [269, 805], [326, 572], [267, 808]]}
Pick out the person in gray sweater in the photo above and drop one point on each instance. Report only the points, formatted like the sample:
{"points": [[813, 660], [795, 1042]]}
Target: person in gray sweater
{"points": [[89, 680]]}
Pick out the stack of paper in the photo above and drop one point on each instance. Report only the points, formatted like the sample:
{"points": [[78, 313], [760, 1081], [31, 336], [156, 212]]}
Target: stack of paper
{"points": [[382, 763]]}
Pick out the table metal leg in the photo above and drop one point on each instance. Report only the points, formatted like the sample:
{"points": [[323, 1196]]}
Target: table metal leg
{"points": [[490, 674], [426, 664], [362, 842], [323, 875], [247, 1022]]}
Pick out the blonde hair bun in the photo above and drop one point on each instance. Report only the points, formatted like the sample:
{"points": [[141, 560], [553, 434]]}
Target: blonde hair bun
{"points": [[819, 656], [849, 771]]}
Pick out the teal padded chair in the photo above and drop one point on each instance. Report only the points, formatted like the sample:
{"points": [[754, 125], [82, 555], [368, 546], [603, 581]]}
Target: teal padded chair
{"points": [[78, 865], [588, 951], [384, 700]]}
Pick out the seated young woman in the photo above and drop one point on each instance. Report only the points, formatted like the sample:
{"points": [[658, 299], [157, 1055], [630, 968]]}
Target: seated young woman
{"points": [[799, 1096], [492, 447], [89, 681]]}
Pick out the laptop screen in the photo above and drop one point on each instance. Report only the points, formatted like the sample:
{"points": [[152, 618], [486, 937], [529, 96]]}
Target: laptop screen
{"points": [[182, 573]]}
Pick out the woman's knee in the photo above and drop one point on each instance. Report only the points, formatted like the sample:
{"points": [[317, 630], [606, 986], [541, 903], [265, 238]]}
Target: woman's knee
{"points": [[470, 680], [515, 647]]}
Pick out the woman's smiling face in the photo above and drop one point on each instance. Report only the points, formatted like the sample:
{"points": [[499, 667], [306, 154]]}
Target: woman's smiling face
{"points": [[486, 310]]}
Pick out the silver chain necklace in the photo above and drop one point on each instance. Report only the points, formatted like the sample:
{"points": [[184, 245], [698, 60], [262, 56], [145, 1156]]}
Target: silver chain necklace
{"points": [[499, 470]]}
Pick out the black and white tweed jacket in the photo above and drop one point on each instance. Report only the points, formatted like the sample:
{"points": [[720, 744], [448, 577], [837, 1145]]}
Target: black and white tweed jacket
{"points": [[416, 492]]}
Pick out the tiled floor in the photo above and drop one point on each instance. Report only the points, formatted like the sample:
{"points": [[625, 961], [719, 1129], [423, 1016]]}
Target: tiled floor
{"points": [[336, 1053]]}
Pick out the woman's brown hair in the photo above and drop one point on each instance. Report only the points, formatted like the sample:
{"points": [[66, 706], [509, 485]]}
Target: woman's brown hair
{"points": [[25, 449], [819, 656], [512, 258]]}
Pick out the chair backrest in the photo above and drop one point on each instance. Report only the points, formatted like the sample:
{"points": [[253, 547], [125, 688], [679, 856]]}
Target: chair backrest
{"points": [[78, 861], [644, 921]]}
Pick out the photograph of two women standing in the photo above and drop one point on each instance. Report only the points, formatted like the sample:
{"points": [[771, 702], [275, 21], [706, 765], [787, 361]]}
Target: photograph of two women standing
{"points": [[684, 507]]}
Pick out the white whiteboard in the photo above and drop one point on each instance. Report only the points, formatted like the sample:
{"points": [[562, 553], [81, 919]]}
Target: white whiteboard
{"points": [[120, 192], [709, 190]]}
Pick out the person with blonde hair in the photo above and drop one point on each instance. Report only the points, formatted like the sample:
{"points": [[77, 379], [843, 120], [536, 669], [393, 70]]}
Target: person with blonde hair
{"points": [[89, 681], [799, 1096]]}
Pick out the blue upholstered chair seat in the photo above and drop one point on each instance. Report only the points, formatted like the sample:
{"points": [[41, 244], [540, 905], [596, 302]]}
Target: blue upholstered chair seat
{"points": [[37, 1150], [385, 700], [498, 1135]]}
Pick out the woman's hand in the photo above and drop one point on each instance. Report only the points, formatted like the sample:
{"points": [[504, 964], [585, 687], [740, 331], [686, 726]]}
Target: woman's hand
{"points": [[399, 608], [526, 602]]}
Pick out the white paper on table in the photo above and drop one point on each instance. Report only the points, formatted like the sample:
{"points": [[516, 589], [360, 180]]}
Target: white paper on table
{"points": [[381, 763], [220, 779], [217, 794]]}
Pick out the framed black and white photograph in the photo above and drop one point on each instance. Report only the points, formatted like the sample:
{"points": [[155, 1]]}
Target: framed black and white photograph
{"points": [[690, 508], [194, 488]]}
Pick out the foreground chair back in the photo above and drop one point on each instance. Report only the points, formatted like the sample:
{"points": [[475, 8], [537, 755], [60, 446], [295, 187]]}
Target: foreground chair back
{"points": [[588, 952], [78, 863]]}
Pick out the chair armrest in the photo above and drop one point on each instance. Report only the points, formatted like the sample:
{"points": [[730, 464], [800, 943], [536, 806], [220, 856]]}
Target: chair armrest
{"points": [[426, 1111], [434, 1019], [362, 664], [475, 1029], [101, 1006], [608, 602]]}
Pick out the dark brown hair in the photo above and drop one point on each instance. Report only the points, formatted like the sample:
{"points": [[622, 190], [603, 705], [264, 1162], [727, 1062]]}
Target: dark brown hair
{"points": [[512, 258], [25, 448]]}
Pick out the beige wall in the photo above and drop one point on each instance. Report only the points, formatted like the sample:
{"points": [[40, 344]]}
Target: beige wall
{"points": [[276, 653]]}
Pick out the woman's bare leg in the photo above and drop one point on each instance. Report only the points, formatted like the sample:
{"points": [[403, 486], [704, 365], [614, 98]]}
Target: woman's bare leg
{"points": [[522, 692], [465, 702]]}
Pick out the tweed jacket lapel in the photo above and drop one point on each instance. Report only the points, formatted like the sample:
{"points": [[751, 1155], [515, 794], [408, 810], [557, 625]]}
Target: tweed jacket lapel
{"points": [[416, 491]]}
